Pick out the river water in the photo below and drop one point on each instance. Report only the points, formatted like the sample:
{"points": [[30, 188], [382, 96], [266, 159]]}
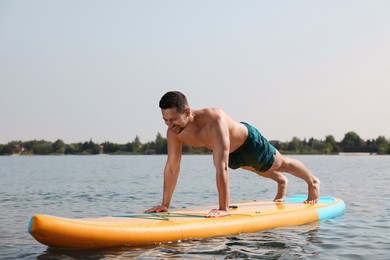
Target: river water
{"points": [[94, 186]]}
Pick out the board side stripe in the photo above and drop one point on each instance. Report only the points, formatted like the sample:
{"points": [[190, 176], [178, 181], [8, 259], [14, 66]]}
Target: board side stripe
{"points": [[331, 211]]}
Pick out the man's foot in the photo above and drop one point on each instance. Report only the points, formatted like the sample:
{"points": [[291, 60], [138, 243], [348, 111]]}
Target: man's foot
{"points": [[314, 192], [282, 189]]}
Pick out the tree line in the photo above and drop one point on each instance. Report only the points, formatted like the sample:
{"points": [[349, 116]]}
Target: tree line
{"points": [[351, 143]]}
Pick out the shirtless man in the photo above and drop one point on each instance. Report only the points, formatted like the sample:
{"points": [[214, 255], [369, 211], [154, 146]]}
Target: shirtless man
{"points": [[234, 144]]}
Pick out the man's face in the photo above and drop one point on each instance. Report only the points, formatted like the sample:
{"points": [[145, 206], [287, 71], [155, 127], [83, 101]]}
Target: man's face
{"points": [[174, 120]]}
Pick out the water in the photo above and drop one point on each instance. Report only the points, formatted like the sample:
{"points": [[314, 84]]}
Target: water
{"points": [[93, 186]]}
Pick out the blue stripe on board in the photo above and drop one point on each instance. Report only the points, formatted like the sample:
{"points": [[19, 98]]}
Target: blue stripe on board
{"points": [[302, 198], [323, 213], [29, 225], [331, 211]]}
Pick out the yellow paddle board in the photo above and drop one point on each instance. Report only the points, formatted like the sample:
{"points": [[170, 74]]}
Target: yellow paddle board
{"points": [[181, 224]]}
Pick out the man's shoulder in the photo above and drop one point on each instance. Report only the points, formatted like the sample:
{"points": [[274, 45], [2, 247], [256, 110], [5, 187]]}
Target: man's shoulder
{"points": [[211, 112], [213, 118]]}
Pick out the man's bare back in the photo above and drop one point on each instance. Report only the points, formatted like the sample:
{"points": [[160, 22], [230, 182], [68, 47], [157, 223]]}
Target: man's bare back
{"points": [[214, 129]]}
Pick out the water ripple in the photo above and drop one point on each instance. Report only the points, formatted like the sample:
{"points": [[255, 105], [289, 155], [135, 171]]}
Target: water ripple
{"points": [[98, 186]]}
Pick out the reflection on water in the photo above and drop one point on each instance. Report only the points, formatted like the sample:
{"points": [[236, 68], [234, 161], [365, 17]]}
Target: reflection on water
{"points": [[296, 242]]}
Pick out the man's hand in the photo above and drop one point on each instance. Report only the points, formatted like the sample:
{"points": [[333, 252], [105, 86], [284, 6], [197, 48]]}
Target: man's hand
{"points": [[216, 213], [159, 208]]}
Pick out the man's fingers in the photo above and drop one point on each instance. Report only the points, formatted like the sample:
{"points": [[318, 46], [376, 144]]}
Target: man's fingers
{"points": [[215, 213], [157, 209]]}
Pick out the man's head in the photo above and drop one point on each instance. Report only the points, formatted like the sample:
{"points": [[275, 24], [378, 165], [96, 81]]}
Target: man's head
{"points": [[174, 99], [175, 110]]}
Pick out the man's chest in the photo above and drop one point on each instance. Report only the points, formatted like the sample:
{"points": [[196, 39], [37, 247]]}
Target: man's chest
{"points": [[196, 139]]}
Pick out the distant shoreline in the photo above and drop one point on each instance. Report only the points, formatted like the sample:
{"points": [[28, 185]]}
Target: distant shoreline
{"points": [[138, 154], [351, 144]]}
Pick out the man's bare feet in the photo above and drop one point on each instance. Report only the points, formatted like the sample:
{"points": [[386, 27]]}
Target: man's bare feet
{"points": [[313, 192], [282, 189]]}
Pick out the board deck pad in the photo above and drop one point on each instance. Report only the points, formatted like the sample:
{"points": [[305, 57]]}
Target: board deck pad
{"points": [[179, 224]]}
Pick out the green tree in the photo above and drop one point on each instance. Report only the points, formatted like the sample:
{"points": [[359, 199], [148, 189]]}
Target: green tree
{"points": [[6, 149], [331, 145], [12, 147], [351, 139], [29, 144], [148, 148], [316, 145], [161, 144], [58, 147], [294, 145], [90, 148], [383, 145], [110, 147], [128, 147], [42, 147], [70, 149], [137, 145]]}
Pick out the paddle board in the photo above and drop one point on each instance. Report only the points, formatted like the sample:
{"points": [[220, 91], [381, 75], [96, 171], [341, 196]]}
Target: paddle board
{"points": [[180, 224]]}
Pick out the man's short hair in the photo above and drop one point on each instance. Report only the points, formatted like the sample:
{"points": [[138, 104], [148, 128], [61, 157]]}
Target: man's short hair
{"points": [[174, 99]]}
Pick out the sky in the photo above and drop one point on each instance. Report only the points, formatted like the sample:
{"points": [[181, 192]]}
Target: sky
{"points": [[96, 70]]}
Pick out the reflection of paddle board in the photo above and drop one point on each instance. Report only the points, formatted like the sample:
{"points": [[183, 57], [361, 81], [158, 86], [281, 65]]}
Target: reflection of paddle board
{"points": [[179, 224]]}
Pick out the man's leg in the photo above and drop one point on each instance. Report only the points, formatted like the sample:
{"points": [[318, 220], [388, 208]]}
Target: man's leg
{"points": [[298, 169], [276, 176]]}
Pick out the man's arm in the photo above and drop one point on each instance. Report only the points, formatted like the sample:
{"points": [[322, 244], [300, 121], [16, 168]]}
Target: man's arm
{"points": [[220, 158], [171, 172]]}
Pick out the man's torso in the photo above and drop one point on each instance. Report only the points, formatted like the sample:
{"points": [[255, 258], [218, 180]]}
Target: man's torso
{"points": [[200, 132]]}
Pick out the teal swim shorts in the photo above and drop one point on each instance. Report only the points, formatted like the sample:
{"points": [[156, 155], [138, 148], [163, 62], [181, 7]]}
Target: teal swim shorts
{"points": [[256, 152]]}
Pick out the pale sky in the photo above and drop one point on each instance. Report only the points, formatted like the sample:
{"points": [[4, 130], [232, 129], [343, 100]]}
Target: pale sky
{"points": [[81, 70]]}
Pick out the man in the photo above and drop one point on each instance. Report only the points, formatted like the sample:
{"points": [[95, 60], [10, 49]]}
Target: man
{"points": [[234, 144]]}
